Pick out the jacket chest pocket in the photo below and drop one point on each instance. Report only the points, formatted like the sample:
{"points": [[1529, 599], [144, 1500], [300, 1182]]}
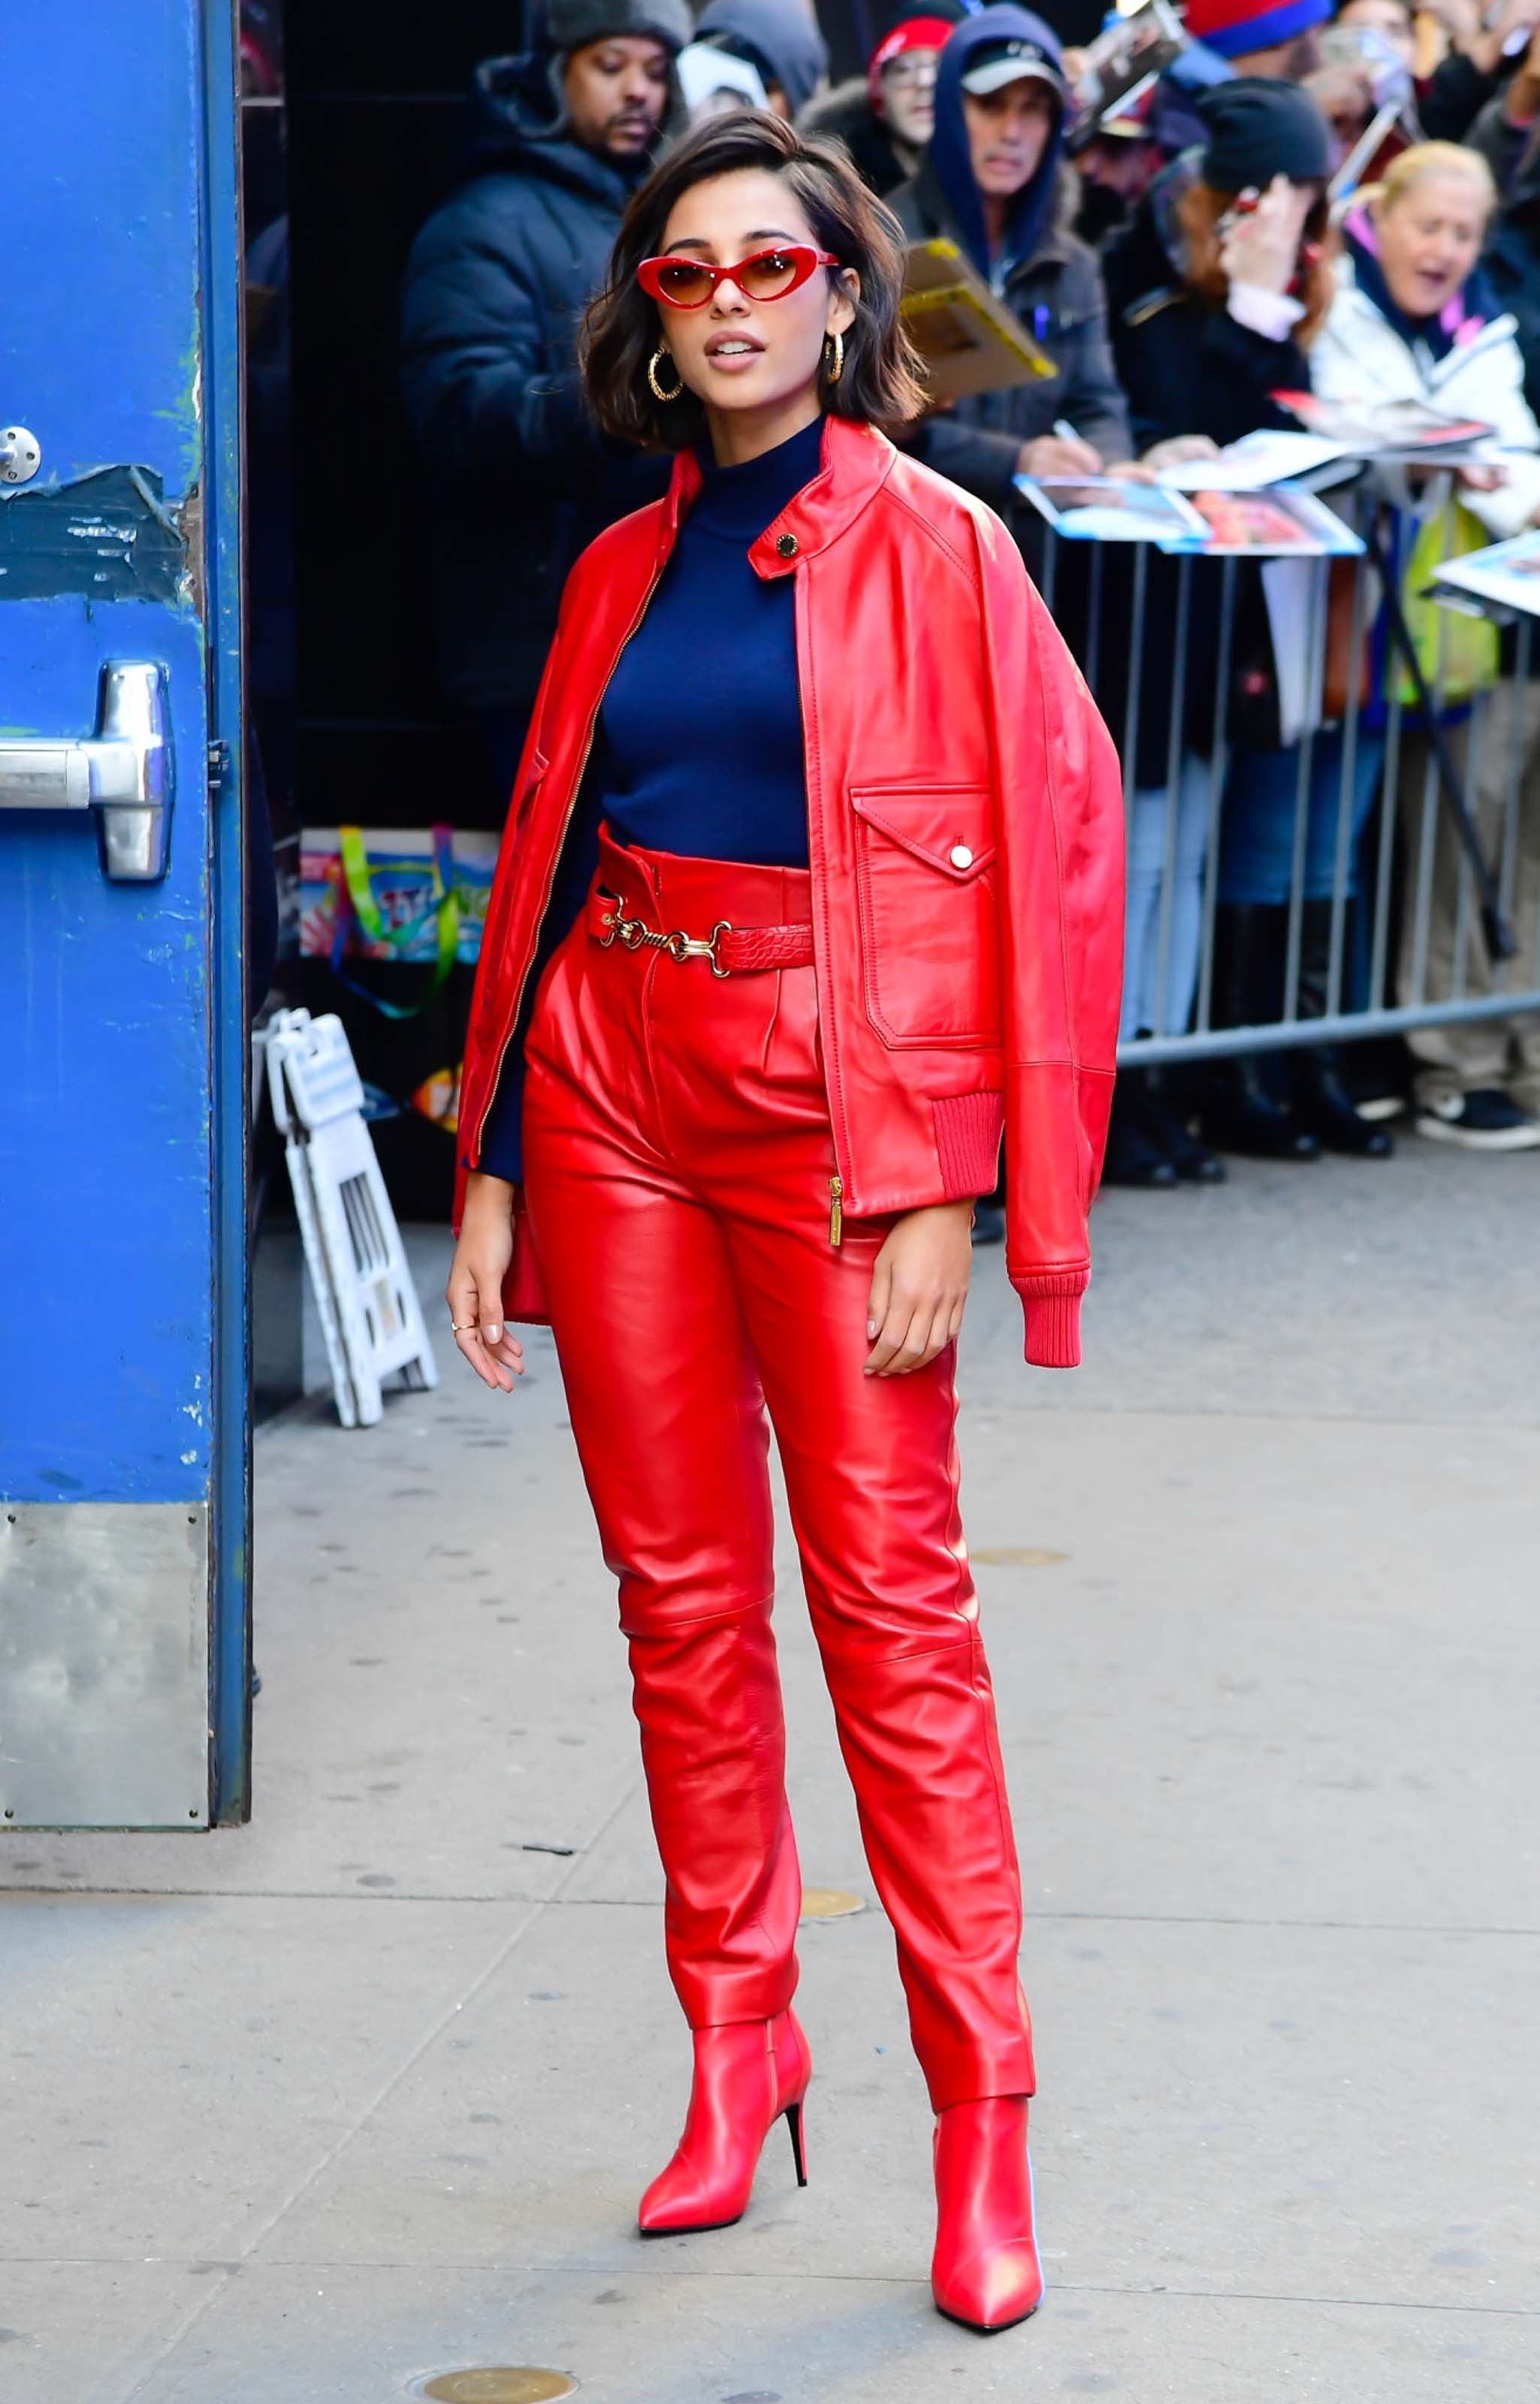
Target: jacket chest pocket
{"points": [[928, 942]]}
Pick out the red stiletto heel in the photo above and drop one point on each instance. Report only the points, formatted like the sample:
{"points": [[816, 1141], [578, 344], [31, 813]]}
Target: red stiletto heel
{"points": [[985, 2271], [746, 2075]]}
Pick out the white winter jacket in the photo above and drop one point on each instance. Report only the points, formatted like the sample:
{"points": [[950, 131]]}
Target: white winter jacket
{"points": [[1358, 356]]}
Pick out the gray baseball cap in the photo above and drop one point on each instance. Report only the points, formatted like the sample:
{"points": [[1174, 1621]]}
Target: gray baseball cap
{"points": [[994, 65]]}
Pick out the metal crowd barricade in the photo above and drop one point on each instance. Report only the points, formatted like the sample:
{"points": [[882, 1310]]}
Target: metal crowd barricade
{"points": [[1381, 976]]}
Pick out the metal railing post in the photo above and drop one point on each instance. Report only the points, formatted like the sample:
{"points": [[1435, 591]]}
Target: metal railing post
{"points": [[1219, 762], [1176, 748], [1303, 779], [1136, 671], [1347, 793], [1431, 704], [1093, 619]]}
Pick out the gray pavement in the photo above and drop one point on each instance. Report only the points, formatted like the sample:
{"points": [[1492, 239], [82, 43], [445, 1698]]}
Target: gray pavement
{"points": [[368, 2091]]}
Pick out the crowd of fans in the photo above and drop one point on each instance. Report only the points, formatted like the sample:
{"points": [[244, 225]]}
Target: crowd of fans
{"points": [[1181, 263]]}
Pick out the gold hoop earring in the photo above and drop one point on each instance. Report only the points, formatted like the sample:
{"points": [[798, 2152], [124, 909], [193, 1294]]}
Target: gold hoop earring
{"points": [[833, 368], [657, 390]]}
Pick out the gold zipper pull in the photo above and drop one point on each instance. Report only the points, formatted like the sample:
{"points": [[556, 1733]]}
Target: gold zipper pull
{"points": [[836, 1215]]}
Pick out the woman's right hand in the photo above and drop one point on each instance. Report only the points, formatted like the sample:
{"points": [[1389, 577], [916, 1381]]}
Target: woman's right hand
{"points": [[475, 1287], [1263, 247]]}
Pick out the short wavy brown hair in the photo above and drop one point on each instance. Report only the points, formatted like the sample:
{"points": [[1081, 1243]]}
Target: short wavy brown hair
{"points": [[881, 383]]}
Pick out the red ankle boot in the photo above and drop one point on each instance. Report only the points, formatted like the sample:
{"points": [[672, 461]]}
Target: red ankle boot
{"points": [[985, 2272], [747, 2074]]}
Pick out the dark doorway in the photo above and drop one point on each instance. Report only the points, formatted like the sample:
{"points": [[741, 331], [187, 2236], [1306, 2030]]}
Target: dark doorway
{"points": [[376, 95]]}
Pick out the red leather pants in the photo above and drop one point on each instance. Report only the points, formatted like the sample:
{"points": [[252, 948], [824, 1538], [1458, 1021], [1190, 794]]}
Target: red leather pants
{"points": [[677, 1158]]}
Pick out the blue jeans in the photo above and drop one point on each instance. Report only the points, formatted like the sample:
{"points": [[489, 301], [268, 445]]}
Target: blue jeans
{"points": [[1166, 1013], [1256, 845]]}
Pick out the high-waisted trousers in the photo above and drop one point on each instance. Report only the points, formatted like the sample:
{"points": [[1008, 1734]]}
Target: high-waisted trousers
{"points": [[677, 1158]]}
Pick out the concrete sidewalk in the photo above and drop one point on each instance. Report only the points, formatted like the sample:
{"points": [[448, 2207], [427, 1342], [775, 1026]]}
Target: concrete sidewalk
{"points": [[302, 2113]]}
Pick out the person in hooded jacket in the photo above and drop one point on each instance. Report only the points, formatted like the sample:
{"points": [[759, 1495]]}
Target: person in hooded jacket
{"points": [[495, 284], [780, 40], [885, 117], [992, 183]]}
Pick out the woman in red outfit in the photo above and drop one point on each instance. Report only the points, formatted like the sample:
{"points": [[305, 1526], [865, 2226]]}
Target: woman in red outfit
{"points": [[855, 908]]}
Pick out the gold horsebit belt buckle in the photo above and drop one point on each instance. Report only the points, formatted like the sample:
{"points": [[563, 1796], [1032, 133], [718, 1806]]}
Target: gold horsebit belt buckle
{"points": [[633, 934]]}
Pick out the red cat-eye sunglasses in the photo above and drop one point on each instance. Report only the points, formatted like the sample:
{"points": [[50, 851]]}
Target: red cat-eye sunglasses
{"points": [[768, 275]]}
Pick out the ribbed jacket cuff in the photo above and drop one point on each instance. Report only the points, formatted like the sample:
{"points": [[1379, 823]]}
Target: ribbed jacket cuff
{"points": [[1052, 1308]]}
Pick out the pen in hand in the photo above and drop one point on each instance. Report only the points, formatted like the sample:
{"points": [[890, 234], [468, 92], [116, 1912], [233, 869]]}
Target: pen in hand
{"points": [[1076, 456]]}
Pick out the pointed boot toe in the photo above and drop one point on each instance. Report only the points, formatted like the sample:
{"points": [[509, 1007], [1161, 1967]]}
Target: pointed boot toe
{"points": [[746, 2075], [992, 2290], [679, 2204], [985, 2271]]}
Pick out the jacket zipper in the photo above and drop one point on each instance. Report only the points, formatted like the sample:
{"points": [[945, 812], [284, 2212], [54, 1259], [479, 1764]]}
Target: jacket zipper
{"points": [[1494, 333], [561, 844], [804, 684]]}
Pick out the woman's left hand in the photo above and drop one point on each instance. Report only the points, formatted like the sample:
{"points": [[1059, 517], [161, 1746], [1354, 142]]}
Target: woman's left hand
{"points": [[918, 1288], [1177, 449]]}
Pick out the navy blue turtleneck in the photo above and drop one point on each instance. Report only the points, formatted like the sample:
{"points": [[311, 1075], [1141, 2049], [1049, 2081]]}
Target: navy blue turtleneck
{"points": [[698, 746], [700, 723]]}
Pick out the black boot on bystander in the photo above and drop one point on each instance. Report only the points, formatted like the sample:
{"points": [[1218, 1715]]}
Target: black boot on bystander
{"points": [[1320, 1094], [1247, 1109]]}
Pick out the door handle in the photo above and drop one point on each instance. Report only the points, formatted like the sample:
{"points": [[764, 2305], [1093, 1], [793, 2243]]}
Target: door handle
{"points": [[123, 772], [20, 455]]}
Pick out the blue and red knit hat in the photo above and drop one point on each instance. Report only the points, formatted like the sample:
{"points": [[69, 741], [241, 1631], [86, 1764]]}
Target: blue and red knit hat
{"points": [[1235, 28]]}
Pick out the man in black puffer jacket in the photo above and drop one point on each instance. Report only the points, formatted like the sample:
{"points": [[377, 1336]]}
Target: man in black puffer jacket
{"points": [[495, 286]]}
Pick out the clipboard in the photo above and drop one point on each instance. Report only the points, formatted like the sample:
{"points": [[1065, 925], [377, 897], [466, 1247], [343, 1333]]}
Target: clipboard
{"points": [[968, 341]]}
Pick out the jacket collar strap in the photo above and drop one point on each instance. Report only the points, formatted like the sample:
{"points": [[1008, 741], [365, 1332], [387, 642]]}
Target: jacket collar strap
{"points": [[857, 463]]}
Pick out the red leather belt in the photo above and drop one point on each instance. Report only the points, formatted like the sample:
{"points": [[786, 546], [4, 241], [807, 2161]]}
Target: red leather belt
{"points": [[732, 951]]}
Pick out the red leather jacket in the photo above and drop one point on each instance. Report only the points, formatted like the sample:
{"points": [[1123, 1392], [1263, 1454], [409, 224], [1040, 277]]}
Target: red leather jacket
{"points": [[965, 842]]}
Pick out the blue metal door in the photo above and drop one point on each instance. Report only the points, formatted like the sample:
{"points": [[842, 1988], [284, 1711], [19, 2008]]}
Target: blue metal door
{"points": [[124, 1649]]}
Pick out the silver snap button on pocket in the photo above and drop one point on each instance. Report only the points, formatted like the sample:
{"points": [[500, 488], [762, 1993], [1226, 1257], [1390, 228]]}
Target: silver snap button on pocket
{"points": [[959, 856]]}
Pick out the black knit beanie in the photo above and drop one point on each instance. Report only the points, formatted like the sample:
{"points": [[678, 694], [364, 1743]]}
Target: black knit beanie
{"points": [[572, 25], [1259, 128]]}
